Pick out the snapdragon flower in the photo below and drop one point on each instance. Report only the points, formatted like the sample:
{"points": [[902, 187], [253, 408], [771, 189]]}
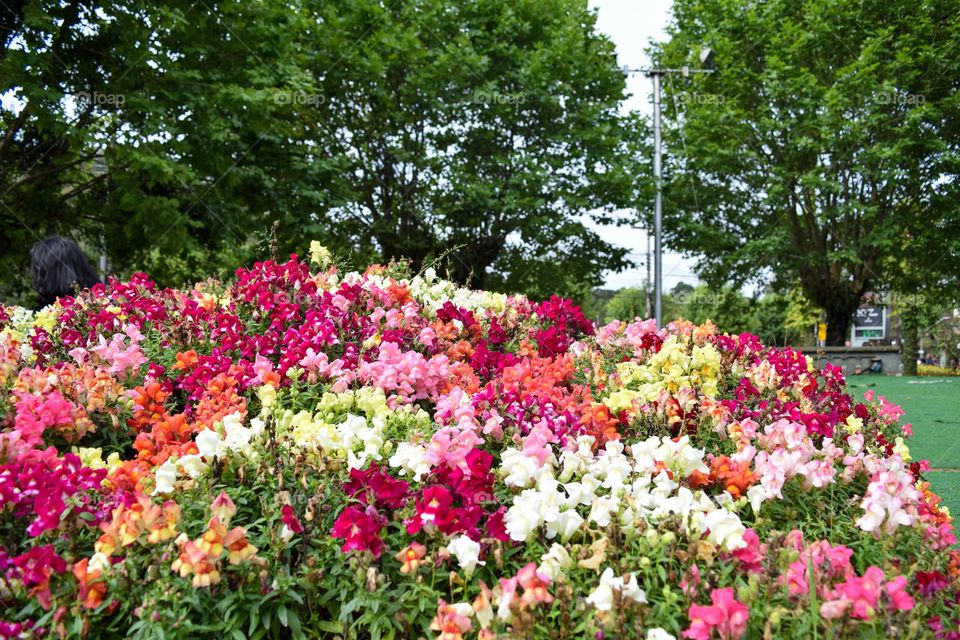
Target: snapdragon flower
{"points": [[467, 553], [602, 598]]}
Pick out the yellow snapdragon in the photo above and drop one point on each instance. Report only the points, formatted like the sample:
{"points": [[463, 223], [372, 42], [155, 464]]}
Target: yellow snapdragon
{"points": [[900, 448], [674, 367], [93, 457], [319, 254], [46, 319], [854, 424]]}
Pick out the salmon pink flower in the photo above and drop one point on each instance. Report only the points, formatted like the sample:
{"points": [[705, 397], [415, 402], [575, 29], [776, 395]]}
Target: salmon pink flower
{"points": [[91, 589], [223, 508], [238, 546], [410, 557], [193, 560], [452, 620], [534, 586]]}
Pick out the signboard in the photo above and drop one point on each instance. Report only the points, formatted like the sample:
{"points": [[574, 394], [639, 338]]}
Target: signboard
{"points": [[869, 323], [869, 317]]}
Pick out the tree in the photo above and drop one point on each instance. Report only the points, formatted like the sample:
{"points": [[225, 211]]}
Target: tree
{"points": [[826, 137], [148, 130], [626, 305], [487, 126], [179, 134]]}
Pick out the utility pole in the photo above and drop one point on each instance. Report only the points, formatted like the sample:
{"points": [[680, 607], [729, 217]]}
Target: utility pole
{"points": [[656, 74], [646, 285]]}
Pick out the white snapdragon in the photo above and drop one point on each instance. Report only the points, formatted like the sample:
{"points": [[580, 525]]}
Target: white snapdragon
{"points": [[611, 486], [209, 444], [604, 508], [582, 492], [523, 518], [410, 459], [555, 561], [644, 455], [574, 461], [371, 437], [518, 470], [612, 467], [193, 465], [756, 495], [166, 475], [236, 436], [725, 529], [603, 596], [681, 457], [467, 553], [565, 525]]}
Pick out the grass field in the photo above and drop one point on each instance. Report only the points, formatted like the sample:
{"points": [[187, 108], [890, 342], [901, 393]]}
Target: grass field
{"points": [[933, 406]]}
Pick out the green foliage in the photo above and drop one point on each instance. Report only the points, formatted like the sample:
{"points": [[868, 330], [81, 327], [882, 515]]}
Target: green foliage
{"points": [[627, 304], [176, 135], [823, 147]]}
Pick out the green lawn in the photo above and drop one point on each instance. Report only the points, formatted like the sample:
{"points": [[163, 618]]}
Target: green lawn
{"points": [[933, 406]]}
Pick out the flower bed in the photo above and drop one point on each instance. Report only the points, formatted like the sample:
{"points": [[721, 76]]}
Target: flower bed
{"points": [[308, 453]]}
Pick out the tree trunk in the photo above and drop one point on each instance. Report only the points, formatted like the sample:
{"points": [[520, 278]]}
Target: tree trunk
{"points": [[469, 264], [838, 298], [839, 312], [910, 334]]}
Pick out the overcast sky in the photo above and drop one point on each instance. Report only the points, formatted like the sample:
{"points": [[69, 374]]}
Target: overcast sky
{"points": [[631, 24]]}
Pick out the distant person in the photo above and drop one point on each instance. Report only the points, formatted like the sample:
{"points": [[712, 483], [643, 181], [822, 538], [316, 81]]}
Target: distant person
{"points": [[58, 267]]}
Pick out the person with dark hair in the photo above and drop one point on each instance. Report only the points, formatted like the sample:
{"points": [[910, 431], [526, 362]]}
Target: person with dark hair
{"points": [[58, 267]]}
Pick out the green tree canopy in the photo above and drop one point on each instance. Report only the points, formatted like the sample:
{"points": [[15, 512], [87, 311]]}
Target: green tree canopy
{"points": [[823, 147], [178, 133]]}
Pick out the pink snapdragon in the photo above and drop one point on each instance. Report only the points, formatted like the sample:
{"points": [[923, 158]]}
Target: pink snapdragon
{"points": [[122, 358], [859, 596], [750, 556], [725, 615], [829, 563], [38, 413], [891, 498], [450, 446], [456, 407], [407, 374]]}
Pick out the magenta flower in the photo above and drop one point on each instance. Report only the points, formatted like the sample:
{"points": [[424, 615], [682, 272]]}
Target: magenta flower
{"points": [[34, 569], [360, 530], [751, 556], [43, 487], [290, 519], [375, 486], [930, 583]]}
